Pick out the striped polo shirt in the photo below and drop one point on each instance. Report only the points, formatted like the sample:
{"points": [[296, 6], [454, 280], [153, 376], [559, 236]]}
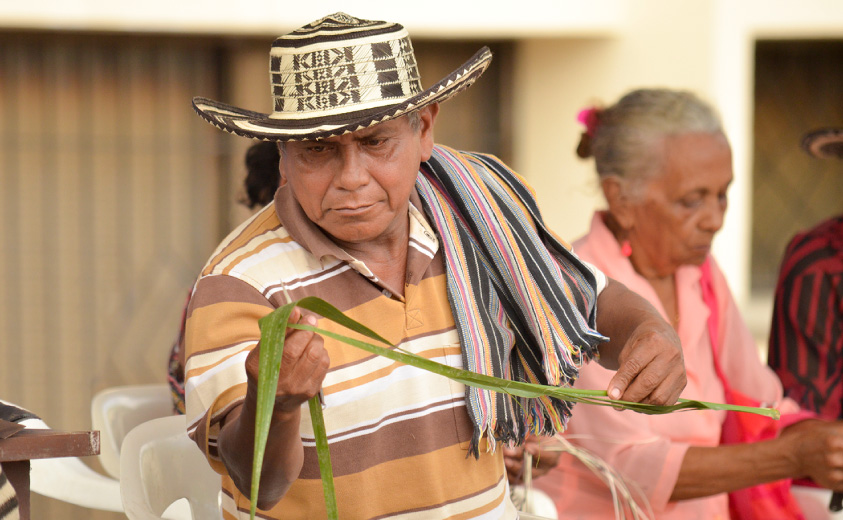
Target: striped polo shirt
{"points": [[398, 435]]}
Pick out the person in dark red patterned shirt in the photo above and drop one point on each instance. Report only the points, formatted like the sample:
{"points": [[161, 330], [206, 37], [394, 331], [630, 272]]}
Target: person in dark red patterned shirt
{"points": [[806, 338]]}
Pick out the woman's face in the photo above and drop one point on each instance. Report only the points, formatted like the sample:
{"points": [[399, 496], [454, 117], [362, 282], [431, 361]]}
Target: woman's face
{"points": [[674, 221]]}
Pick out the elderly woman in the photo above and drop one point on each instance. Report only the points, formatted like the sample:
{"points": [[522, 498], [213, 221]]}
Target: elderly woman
{"points": [[665, 167]]}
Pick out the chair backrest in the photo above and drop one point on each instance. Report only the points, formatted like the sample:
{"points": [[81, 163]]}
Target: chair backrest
{"points": [[116, 410], [161, 465], [814, 502]]}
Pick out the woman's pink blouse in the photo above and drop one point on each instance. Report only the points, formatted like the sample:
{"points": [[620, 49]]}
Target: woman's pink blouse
{"points": [[648, 449]]}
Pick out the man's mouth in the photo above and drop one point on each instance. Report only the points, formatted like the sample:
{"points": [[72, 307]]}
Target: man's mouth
{"points": [[352, 209]]}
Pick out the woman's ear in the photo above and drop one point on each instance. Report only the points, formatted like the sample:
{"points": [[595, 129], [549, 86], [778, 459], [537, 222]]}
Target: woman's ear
{"points": [[615, 190]]}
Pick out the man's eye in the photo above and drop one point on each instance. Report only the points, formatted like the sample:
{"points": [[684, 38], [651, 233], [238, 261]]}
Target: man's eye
{"points": [[376, 141], [317, 149]]}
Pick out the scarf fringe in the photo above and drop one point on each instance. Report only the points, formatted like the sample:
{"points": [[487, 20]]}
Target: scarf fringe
{"points": [[524, 305]]}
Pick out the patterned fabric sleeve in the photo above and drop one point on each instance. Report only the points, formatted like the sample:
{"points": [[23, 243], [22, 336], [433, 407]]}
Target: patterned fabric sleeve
{"points": [[806, 339], [8, 499]]}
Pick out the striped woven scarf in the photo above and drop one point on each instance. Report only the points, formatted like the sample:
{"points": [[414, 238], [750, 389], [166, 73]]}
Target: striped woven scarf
{"points": [[511, 283]]}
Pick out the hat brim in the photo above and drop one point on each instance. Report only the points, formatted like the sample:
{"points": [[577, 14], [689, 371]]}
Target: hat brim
{"points": [[824, 143], [257, 125]]}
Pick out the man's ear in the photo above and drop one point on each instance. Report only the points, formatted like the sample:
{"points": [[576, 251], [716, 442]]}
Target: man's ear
{"points": [[620, 207], [427, 117]]}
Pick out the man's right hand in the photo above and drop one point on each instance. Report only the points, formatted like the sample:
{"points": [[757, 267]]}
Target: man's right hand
{"points": [[304, 364]]}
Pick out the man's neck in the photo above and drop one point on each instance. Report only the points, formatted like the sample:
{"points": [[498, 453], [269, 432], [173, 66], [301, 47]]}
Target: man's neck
{"points": [[386, 258]]}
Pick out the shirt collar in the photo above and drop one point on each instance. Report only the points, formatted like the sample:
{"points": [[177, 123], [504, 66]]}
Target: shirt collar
{"points": [[302, 229]]}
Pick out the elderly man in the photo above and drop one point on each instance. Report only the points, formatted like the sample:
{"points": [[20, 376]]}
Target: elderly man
{"points": [[441, 252]]}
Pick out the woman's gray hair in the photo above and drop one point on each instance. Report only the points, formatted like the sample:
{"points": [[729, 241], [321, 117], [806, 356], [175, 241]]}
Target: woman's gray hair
{"points": [[626, 136]]}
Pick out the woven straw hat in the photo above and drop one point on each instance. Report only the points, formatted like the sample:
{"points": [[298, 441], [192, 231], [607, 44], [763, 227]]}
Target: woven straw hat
{"points": [[338, 75], [824, 143]]}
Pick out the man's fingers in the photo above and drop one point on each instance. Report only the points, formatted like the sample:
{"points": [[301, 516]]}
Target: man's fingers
{"points": [[295, 315], [303, 367], [623, 378], [313, 365], [653, 382], [666, 393], [296, 341]]}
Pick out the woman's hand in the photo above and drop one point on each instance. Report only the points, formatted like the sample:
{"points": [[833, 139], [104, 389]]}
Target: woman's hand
{"points": [[811, 448], [543, 459], [817, 451]]}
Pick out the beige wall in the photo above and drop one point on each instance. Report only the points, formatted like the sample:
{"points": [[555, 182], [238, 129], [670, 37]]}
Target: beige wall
{"points": [[609, 45], [434, 18], [568, 54], [555, 78], [109, 202], [702, 45]]}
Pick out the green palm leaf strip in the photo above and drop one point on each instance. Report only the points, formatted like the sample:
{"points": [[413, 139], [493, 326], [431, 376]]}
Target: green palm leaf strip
{"points": [[273, 329], [515, 388], [324, 454], [272, 347]]}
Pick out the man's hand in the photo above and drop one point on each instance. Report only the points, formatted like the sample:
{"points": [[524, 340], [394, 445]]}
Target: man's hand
{"points": [[543, 459], [643, 348], [651, 366], [304, 364]]}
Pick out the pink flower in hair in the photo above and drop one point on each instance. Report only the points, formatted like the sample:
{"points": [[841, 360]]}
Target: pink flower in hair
{"points": [[588, 117]]}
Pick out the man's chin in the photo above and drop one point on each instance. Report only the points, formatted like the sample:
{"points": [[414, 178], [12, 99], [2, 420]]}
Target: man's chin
{"points": [[353, 234]]}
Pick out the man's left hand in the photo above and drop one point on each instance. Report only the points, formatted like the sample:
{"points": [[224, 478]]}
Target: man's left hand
{"points": [[652, 369], [643, 348]]}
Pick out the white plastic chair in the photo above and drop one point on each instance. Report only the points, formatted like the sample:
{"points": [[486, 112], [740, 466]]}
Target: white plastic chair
{"points": [[159, 467], [814, 503], [116, 410], [535, 504]]}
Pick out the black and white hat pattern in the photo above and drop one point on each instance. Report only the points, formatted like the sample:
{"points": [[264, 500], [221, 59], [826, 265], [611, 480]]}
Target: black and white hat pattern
{"points": [[337, 75]]}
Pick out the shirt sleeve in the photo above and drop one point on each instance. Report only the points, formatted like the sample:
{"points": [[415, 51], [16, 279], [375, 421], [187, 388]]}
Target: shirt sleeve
{"points": [[806, 340], [221, 329], [600, 276]]}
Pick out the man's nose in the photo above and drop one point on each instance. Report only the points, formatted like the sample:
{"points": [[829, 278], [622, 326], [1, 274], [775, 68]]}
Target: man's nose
{"points": [[352, 172]]}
